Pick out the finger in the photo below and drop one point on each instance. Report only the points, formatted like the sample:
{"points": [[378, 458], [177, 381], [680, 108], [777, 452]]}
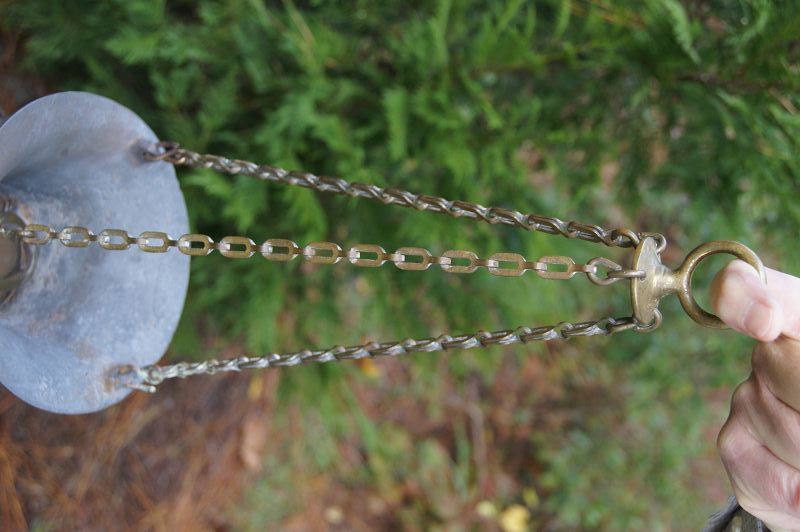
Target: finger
{"points": [[745, 304], [764, 485], [777, 365], [771, 421], [785, 289]]}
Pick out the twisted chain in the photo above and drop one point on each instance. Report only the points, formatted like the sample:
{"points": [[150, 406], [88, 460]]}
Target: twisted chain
{"points": [[362, 255], [172, 153], [148, 377]]}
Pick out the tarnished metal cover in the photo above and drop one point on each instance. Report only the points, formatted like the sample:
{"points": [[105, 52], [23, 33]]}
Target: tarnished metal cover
{"points": [[74, 159]]}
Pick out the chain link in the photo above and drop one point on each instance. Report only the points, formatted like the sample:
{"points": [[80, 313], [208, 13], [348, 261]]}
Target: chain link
{"points": [[148, 377], [362, 255], [171, 152]]}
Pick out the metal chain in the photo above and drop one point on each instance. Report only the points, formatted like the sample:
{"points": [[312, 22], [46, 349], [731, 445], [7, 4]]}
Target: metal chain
{"points": [[362, 255], [148, 377], [171, 152]]}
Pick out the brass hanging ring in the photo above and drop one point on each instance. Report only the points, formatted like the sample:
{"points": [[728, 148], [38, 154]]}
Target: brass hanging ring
{"points": [[690, 263]]}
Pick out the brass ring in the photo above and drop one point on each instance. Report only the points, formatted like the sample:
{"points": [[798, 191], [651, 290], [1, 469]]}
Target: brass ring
{"points": [[650, 327], [690, 264]]}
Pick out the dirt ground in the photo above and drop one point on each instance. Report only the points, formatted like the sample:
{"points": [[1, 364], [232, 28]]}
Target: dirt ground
{"points": [[148, 463]]}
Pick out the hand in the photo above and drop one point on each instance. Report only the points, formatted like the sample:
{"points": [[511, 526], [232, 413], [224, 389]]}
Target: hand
{"points": [[760, 442]]}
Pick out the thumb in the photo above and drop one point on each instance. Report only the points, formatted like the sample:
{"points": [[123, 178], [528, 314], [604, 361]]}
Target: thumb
{"points": [[744, 303]]}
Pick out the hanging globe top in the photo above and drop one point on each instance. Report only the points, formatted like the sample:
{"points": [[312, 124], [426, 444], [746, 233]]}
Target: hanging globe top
{"points": [[69, 317]]}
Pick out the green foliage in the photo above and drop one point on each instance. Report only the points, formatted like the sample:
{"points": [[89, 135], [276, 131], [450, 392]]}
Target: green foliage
{"points": [[664, 115]]}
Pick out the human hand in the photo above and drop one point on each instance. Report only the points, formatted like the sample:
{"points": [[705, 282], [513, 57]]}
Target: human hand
{"points": [[760, 442]]}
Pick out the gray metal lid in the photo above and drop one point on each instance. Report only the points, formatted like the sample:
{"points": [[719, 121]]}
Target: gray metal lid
{"points": [[74, 159]]}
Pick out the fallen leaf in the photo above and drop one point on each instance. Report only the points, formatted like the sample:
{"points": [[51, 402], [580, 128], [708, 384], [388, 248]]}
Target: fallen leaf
{"points": [[254, 438], [515, 518]]}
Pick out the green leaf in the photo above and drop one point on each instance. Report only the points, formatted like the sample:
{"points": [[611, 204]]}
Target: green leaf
{"points": [[562, 19], [395, 105], [134, 47], [681, 28]]}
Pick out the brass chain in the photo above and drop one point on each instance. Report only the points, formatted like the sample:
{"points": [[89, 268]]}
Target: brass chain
{"points": [[148, 377], [362, 255], [171, 152]]}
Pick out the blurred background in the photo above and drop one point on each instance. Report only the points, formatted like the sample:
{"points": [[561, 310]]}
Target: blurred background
{"points": [[672, 116]]}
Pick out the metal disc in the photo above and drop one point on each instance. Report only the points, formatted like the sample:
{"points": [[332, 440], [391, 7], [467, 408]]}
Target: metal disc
{"points": [[74, 159], [646, 293]]}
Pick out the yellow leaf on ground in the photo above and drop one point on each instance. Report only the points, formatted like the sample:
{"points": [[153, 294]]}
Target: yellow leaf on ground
{"points": [[515, 518]]}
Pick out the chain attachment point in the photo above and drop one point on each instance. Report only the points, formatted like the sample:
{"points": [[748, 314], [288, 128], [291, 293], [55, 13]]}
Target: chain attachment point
{"points": [[160, 151]]}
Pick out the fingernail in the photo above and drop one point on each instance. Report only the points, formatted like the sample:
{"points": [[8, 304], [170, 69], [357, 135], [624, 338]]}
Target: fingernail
{"points": [[758, 319]]}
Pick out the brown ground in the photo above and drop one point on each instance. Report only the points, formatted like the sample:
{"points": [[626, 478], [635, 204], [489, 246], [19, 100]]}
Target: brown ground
{"points": [[148, 463]]}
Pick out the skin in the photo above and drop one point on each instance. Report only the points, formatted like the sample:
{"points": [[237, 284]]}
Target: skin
{"points": [[760, 442]]}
